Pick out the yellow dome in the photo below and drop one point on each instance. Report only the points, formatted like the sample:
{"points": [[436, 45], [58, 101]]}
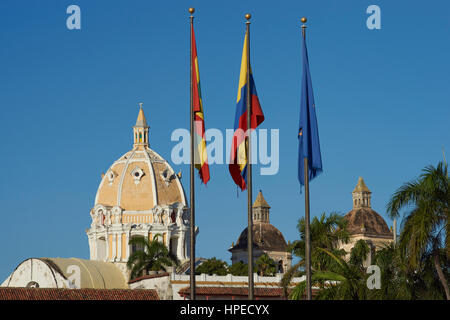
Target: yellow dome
{"points": [[140, 179]]}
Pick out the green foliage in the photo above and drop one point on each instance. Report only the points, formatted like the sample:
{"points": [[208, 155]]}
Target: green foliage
{"points": [[417, 267], [154, 256], [425, 237], [238, 269], [345, 281], [359, 252], [326, 232], [265, 266], [213, 266]]}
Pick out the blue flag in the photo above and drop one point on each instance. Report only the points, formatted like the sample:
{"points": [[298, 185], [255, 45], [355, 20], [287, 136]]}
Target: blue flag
{"points": [[308, 132]]}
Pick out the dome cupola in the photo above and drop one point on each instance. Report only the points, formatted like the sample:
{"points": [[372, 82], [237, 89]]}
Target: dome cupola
{"points": [[361, 195], [140, 130], [261, 209]]}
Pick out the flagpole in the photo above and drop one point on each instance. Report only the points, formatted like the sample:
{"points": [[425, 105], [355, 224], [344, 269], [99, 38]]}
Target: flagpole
{"points": [[192, 191], [249, 170], [307, 226]]}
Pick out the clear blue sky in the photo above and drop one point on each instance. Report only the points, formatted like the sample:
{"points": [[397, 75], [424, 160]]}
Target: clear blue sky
{"points": [[69, 99]]}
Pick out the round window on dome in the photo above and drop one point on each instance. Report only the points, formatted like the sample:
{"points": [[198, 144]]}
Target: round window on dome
{"points": [[137, 174]]}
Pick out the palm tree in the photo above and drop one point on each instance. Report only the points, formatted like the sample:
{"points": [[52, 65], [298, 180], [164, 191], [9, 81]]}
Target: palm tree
{"points": [[343, 280], [427, 225], [265, 266], [153, 255], [327, 232], [398, 281]]}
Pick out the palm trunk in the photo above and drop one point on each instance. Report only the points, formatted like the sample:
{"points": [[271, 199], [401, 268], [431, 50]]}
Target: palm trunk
{"points": [[447, 239], [444, 282]]}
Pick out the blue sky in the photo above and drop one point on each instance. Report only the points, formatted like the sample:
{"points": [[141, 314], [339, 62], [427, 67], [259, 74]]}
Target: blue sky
{"points": [[68, 100]]}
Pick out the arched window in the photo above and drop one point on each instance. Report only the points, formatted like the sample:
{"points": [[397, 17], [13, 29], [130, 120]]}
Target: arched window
{"points": [[280, 266]]}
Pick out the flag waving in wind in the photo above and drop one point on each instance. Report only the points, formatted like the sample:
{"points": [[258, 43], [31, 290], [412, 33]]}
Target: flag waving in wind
{"points": [[200, 156], [308, 132], [238, 156]]}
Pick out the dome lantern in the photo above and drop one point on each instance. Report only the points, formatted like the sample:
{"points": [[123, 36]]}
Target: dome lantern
{"points": [[140, 130], [261, 209], [361, 195]]}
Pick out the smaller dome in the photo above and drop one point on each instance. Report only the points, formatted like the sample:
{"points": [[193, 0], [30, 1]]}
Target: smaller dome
{"points": [[367, 221], [265, 237]]}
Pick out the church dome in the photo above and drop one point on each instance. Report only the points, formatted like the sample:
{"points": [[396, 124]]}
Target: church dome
{"points": [[366, 221], [362, 219], [265, 237], [140, 179]]}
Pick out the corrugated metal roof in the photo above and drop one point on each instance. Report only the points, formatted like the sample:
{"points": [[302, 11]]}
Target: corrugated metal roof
{"points": [[94, 274]]}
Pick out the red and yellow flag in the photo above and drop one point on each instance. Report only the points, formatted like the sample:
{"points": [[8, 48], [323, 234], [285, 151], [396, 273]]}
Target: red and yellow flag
{"points": [[200, 156]]}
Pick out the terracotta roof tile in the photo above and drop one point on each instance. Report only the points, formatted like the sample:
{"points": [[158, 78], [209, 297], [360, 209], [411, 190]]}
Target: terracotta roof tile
{"points": [[10, 293]]}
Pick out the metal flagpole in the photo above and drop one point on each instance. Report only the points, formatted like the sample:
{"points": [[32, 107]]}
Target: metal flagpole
{"points": [[249, 170], [192, 194], [307, 228]]}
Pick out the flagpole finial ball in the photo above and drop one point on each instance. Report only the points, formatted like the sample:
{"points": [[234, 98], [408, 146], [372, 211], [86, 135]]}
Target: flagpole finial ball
{"points": [[191, 10], [303, 20], [248, 16]]}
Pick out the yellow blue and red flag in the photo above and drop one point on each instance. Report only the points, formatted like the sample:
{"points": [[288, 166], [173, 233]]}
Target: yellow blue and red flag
{"points": [[238, 156], [200, 156]]}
